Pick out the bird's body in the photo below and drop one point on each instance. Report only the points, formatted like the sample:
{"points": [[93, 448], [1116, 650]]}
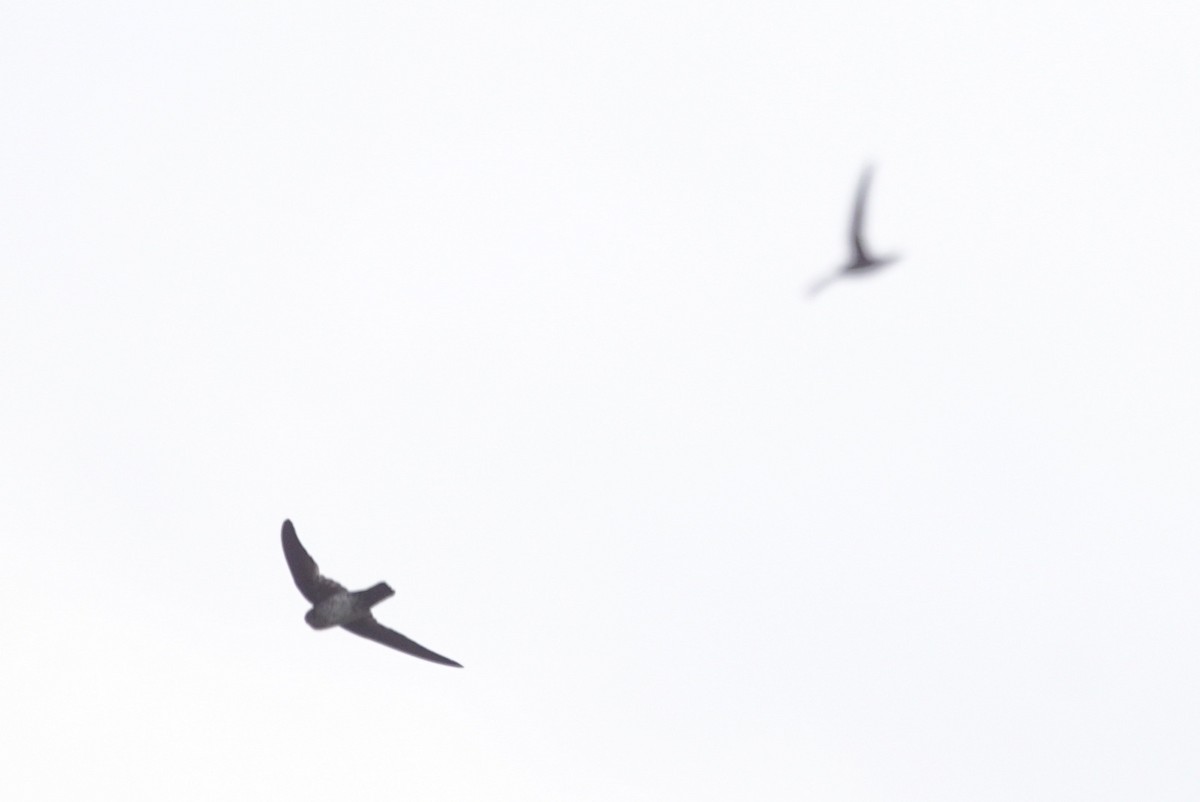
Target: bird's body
{"points": [[345, 607], [861, 261], [334, 606]]}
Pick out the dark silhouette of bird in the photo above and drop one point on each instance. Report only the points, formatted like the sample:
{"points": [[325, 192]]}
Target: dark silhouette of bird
{"points": [[861, 261], [334, 606]]}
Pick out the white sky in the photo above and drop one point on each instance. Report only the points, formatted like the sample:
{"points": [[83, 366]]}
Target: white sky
{"points": [[503, 304]]}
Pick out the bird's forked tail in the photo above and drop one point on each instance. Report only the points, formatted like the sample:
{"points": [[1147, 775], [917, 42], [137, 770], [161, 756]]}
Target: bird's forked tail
{"points": [[376, 593]]}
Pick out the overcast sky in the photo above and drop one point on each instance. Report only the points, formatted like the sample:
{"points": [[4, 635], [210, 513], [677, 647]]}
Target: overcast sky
{"points": [[504, 304]]}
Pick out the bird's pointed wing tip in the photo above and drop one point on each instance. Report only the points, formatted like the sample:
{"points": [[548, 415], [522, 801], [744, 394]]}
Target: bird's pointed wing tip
{"points": [[864, 179], [303, 568], [371, 629], [291, 542]]}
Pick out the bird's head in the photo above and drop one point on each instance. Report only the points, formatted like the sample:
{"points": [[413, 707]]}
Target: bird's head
{"points": [[317, 621]]}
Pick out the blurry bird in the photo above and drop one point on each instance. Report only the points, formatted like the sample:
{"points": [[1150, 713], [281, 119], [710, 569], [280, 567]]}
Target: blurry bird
{"points": [[861, 261], [334, 606]]}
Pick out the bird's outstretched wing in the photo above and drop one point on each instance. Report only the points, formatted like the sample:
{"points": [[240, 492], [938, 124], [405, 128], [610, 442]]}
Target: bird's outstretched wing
{"points": [[856, 219], [371, 629], [316, 588]]}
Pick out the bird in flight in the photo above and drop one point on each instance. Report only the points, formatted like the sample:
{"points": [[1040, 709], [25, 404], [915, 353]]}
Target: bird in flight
{"points": [[861, 261], [334, 606]]}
